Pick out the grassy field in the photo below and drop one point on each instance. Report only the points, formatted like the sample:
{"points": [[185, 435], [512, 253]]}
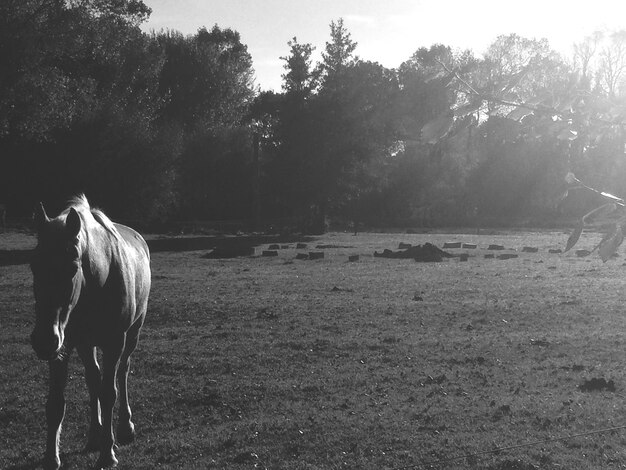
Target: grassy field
{"points": [[278, 363]]}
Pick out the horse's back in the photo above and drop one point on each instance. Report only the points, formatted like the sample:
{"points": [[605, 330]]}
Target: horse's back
{"points": [[139, 260], [134, 240]]}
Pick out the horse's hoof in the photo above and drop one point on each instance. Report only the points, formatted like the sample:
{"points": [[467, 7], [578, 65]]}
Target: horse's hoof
{"points": [[51, 463], [106, 461], [125, 434]]}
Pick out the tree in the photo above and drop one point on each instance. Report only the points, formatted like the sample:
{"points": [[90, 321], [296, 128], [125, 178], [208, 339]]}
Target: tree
{"points": [[553, 107], [585, 54], [425, 94], [206, 78], [332, 136], [290, 145], [338, 54], [48, 49], [300, 79], [35, 94], [207, 85], [612, 69], [355, 127], [438, 166], [78, 102]]}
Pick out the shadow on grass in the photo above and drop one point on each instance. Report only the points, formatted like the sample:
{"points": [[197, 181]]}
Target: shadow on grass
{"points": [[224, 246], [31, 465], [69, 460], [221, 242], [15, 257]]}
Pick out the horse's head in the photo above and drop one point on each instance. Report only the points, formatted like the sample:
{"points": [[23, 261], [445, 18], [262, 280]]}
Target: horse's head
{"points": [[57, 275]]}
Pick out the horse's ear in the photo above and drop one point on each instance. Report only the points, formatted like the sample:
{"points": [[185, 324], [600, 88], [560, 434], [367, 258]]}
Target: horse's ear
{"points": [[40, 216], [72, 223]]}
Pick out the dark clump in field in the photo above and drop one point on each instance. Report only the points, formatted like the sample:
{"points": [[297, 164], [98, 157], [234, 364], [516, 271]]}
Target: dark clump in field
{"points": [[597, 385], [426, 253], [508, 256]]}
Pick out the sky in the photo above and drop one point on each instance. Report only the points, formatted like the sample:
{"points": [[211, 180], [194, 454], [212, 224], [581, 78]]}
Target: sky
{"points": [[387, 31]]}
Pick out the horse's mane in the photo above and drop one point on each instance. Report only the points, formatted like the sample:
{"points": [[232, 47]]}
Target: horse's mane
{"points": [[81, 204]]}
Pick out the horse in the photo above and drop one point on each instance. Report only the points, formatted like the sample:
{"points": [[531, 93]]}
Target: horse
{"points": [[91, 285]]}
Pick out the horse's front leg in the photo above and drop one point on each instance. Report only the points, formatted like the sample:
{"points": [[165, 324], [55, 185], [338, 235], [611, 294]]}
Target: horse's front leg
{"points": [[94, 385], [108, 396], [55, 411]]}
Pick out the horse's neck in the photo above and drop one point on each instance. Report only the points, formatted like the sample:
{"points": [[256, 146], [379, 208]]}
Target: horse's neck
{"points": [[98, 254]]}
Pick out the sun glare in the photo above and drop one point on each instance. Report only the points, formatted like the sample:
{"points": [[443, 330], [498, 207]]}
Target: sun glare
{"points": [[562, 23]]}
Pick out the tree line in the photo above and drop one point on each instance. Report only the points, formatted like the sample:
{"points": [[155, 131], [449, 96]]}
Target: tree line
{"points": [[160, 127]]}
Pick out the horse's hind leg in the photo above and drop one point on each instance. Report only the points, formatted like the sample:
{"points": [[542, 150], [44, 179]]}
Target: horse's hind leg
{"points": [[94, 380], [125, 427]]}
